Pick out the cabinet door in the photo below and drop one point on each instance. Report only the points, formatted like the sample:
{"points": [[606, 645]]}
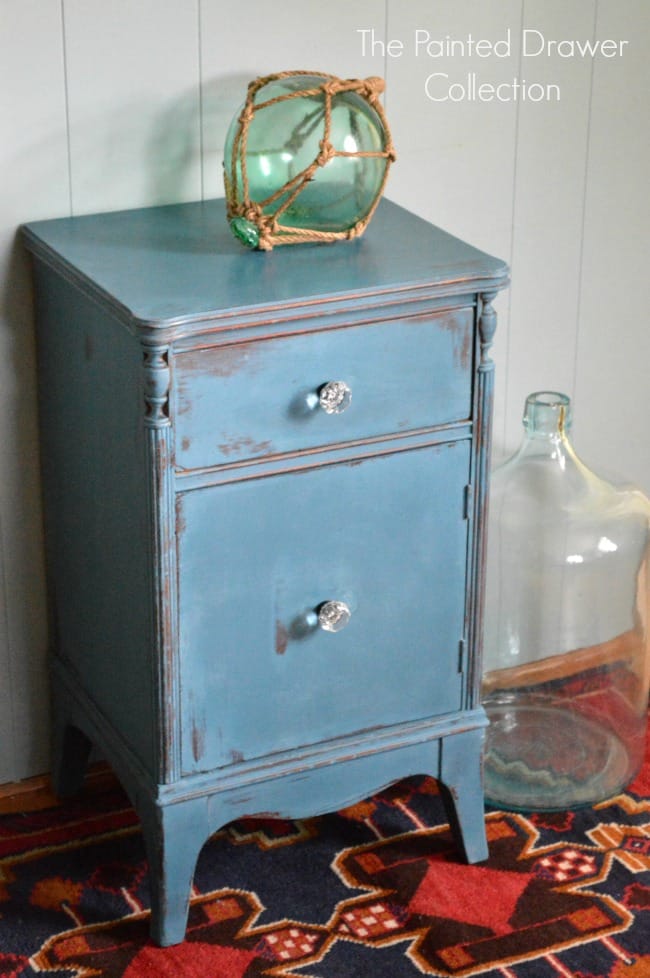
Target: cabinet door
{"points": [[387, 536]]}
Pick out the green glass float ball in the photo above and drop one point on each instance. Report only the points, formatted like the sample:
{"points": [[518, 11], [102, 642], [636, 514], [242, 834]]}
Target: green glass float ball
{"points": [[267, 156]]}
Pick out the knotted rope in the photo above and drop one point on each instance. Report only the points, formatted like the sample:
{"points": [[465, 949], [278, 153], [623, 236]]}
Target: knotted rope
{"points": [[239, 204]]}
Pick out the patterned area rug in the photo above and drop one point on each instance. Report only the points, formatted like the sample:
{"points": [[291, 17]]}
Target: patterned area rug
{"points": [[375, 891]]}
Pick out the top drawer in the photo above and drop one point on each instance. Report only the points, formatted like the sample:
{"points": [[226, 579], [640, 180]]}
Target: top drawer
{"points": [[251, 399]]}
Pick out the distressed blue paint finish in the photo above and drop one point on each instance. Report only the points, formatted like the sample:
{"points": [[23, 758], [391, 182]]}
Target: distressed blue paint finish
{"points": [[98, 541], [169, 264], [218, 392], [200, 508], [387, 536]]}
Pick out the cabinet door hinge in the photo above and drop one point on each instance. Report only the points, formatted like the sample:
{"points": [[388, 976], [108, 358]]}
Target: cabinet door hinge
{"points": [[468, 501], [461, 655]]}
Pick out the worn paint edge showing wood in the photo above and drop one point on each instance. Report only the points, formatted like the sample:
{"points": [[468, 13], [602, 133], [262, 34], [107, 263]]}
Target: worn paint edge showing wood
{"points": [[484, 394], [308, 322], [321, 456], [309, 309], [161, 502], [135, 779], [333, 752], [167, 329]]}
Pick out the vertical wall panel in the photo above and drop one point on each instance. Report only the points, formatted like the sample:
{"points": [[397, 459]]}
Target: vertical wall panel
{"points": [[296, 35], [612, 388], [457, 158], [549, 209], [33, 184], [133, 88]]}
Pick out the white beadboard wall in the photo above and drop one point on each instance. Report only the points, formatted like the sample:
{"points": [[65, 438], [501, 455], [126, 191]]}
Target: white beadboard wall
{"points": [[114, 105]]}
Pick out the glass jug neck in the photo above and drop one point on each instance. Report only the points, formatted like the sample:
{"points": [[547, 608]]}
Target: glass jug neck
{"points": [[547, 416]]}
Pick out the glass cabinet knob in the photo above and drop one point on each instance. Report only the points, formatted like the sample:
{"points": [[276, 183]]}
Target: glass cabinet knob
{"points": [[334, 397], [333, 616]]}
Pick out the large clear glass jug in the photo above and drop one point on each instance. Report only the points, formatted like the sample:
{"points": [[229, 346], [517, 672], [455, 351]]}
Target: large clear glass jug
{"points": [[566, 666]]}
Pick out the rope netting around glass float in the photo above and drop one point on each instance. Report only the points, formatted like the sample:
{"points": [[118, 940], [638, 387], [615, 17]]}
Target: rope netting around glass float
{"points": [[266, 215]]}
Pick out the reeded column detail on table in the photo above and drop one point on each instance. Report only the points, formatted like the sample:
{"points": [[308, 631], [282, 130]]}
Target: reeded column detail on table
{"points": [[487, 323], [157, 422]]}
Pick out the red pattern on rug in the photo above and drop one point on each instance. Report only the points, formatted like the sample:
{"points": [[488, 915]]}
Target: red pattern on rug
{"points": [[376, 890]]}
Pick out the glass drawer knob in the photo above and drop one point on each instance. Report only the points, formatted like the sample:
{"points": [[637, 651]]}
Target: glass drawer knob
{"points": [[333, 616], [334, 397]]}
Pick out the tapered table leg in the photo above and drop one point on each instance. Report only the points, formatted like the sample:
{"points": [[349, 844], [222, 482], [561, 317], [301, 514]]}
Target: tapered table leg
{"points": [[70, 752], [174, 835], [462, 792]]}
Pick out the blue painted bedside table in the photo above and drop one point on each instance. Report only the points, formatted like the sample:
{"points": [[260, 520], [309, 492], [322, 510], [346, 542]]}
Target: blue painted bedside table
{"points": [[264, 481]]}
